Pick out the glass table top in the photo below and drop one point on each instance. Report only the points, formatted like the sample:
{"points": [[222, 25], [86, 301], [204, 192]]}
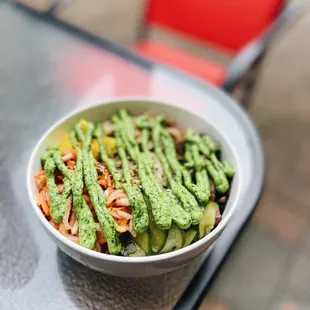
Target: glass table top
{"points": [[46, 72]]}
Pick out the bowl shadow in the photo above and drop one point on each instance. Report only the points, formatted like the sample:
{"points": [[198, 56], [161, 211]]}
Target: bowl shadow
{"points": [[89, 289]]}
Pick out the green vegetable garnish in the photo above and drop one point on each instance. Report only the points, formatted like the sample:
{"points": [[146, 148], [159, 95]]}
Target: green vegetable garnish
{"points": [[96, 194], [163, 216], [140, 215], [208, 219]]}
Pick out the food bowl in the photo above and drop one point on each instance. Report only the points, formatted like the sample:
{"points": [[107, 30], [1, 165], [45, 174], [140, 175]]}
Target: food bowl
{"points": [[134, 266]]}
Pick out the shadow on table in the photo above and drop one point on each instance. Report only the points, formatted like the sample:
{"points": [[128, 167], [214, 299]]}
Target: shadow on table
{"points": [[16, 270], [17, 262], [92, 290]]}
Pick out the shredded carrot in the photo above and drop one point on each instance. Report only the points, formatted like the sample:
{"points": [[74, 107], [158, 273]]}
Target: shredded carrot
{"points": [[69, 151], [117, 203], [43, 204], [67, 214], [60, 177], [71, 164], [72, 218], [104, 183], [75, 227], [54, 224], [61, 188], [97, 247], [38, 175], [100, 237], [40, 179], [86, 197], [67, 235]]}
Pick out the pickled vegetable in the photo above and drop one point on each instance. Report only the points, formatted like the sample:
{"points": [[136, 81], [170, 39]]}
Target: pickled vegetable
{"points": [[208, 219], [143, 241], [190, 236], [158, 237], [131, 249], [175, 240]]}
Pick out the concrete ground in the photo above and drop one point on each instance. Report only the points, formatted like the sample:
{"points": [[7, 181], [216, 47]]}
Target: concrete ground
{"points": [[269, 267]]}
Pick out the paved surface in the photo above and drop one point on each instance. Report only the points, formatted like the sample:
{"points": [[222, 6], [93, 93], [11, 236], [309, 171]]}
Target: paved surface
{"points": [[269, 268]]}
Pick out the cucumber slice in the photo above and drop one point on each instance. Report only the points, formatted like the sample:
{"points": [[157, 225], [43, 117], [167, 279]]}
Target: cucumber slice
{"points": [[179, 238], [158, 237], [131, 249], [143, 241], [207, 221], [189, 236], [174, 240]]}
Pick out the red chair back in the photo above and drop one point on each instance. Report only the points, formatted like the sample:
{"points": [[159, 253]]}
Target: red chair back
{"points": [[228, 24]]}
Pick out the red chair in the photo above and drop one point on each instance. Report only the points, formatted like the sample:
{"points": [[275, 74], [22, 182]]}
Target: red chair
{"points": [[241, 28]]}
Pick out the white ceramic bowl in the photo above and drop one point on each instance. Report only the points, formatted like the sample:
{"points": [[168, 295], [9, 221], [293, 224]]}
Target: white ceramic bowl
{"points": [[133, 266]]}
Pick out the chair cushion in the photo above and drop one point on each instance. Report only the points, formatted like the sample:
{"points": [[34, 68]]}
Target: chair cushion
{"points": [[228, 24], [203, 68]]}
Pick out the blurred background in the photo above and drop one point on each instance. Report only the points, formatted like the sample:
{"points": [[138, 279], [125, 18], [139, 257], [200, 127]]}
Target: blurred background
{"points": [[269, 266]]}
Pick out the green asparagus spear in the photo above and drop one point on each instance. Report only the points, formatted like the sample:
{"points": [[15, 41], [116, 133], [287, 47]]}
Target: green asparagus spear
{"points": [[209, 143], [194, 137], [140, 214], [218, 176], [188, 202], [105, 158], [171, 155], [97, 196], [57, 207], [225, 167], [87, 226]]}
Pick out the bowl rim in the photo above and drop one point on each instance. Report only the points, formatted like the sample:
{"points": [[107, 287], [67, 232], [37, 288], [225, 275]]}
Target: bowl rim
{"points": [[108, 257]]}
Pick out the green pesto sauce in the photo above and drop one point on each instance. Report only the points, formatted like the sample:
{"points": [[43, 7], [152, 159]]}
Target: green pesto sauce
{"points": [[171, 155], [195, 138], [105, 158], [97, 197], [225, 167], [160, 210], [145, 135], [73, 181], [61, 166], [198, 161], [204, 185], [125, 132], [140, 214], [122, 155], [209, 143], [187, 200], [201, 189], [128, 126], [198, 191], [179, 204], [79, 132], [162, 215], [87, 226], [135, 196], [73, 139], [178, 214], [57, 207]]}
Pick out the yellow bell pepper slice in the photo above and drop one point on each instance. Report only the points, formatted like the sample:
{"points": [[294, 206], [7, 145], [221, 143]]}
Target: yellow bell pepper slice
{"points": [[109, 142], [84, 125], [109, 145], [95, 148], [65, 143]]}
